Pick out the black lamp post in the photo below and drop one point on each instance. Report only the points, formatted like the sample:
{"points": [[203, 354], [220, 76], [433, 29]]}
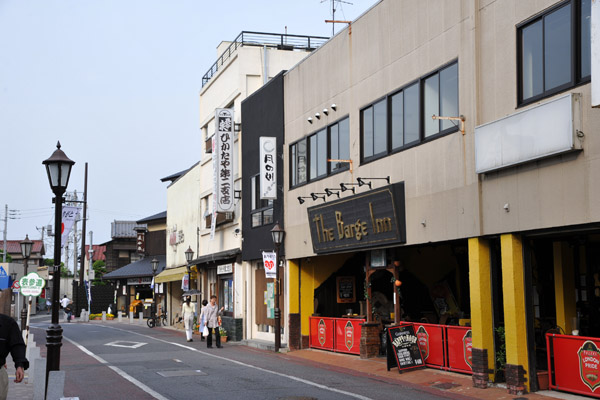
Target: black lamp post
{"points": [[189, 256], [278, 235], [58, 167], [26, 246], [154, 263], [13, 276]]}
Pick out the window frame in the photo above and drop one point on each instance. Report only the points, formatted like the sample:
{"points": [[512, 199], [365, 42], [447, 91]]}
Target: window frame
{"points": [[421, 116], [258, 206], [576, 52], [307, 139]]}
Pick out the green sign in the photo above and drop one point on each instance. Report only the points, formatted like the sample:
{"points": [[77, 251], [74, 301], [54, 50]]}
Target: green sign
{"points": [[32, 284]]}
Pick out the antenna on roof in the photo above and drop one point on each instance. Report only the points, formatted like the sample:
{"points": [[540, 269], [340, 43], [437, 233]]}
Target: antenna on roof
{"points": [[333, 9]]}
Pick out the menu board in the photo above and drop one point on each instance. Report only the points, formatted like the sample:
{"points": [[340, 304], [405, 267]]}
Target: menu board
{"points": [[346, 292], [403, 348]]}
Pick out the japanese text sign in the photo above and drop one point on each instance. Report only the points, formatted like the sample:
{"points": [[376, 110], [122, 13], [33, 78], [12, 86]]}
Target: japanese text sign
{"points": [[32, 284], [224, 157], [268, 168]]}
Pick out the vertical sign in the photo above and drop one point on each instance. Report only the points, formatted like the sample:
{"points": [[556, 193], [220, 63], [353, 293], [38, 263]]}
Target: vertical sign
{"points": [[69, 214], [224, 147], [595, 56], [269, 260], [268, 168], [141, 243]]}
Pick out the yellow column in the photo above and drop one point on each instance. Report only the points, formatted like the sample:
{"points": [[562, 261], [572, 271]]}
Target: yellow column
{"points": [[482, 324], [564, 286], [513, 285], [293, 289]]}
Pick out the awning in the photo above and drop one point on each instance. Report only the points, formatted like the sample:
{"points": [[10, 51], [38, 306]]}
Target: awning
{"points": [[173, 274]]}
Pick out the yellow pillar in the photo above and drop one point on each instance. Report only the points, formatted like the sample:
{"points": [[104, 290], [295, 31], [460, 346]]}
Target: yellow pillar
{"points": [[564, 286], [482, 323], [515, 324]]}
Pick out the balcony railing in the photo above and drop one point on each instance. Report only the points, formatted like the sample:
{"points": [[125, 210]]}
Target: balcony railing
{"points": [[260, 39]]}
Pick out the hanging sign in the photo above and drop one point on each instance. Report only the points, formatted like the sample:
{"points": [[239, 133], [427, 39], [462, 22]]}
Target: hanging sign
{"points": [[269, 261], [268, 168], [32, 284], [69, 215], [185, 282], [224, 150]]}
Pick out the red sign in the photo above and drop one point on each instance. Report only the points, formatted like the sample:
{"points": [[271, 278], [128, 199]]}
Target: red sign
{"points": [[423, 340], [589, 364], [322, 332], [468, 348], [349, 334], [16, 285]]}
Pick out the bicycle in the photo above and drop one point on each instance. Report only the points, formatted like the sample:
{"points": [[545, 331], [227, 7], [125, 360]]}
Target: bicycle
{"points": [[156, 320]]}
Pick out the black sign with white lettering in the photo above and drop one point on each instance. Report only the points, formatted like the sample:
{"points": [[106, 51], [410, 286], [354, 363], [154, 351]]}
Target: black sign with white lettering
{"points": [[372, 219], [403, 348]]}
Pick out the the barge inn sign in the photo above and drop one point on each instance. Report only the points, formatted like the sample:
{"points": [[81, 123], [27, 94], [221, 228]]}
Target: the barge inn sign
{"points": [[370, 219]]}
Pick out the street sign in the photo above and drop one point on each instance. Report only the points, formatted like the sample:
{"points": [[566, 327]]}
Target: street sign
{"points": [[32, 284], [16, 285]]}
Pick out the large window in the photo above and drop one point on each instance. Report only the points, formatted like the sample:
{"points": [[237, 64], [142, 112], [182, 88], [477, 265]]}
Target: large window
{"points": [[313, 153], [261, 210], [554, 50], [403, 119]]}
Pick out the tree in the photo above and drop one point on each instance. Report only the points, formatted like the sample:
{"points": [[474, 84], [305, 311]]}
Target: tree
{"points": [[99, 271], [64, 271], [8, 257]]}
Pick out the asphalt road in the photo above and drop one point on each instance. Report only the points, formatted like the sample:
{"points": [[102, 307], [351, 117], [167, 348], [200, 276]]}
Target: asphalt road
{"points": [[122, 361]]}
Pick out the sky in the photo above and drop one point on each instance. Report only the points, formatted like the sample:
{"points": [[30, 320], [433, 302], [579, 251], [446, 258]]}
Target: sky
{"points": [[117, 83]]}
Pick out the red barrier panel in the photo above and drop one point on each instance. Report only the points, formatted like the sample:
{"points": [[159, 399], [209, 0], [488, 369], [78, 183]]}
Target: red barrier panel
{"points": [[574, 363], [347, 335], [321, 333], [431, 343], [459, 349]]}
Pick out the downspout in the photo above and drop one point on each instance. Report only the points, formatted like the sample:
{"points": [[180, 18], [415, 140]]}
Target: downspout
{"points": [[265, 66]]}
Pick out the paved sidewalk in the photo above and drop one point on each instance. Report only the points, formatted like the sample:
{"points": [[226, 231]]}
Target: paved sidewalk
{"points": [[21, 391], [434, 381]]}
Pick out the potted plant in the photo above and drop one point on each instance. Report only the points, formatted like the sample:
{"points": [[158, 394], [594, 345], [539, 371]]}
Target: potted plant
{"points": [[223, 334]]}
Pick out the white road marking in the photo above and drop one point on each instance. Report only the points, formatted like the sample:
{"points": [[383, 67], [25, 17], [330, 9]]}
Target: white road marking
{"points": [[127, 345], [119, 371], [294, 378]]}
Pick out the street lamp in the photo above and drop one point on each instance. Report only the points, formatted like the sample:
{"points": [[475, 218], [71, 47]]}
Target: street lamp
{"points": [[154, 263], [189, 256], [278, 235], [58, 167], [26, 246]]}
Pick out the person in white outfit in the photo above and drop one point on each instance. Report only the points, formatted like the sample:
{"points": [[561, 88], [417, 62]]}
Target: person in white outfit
{"points": [[188, 311]]}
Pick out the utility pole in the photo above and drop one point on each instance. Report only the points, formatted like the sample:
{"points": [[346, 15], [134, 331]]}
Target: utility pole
{"points": [[75, 238], [13, 215], [83, 227]]}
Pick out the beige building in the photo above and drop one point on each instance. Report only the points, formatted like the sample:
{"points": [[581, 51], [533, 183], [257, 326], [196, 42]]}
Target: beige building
{"points": [[488, 216]]}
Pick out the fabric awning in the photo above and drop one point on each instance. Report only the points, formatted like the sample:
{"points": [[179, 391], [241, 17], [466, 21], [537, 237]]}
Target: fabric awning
{"points": [[173, 274]]}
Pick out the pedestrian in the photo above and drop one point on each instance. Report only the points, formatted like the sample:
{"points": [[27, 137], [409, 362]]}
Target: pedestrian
{"points": [[188, 310], [68, 311], [211, 315], [48, 306], [64, 301], [203, 320], [11, 341]]}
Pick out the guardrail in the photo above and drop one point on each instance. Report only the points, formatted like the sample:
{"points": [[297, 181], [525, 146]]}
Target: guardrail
{"points": [[341, 335]]}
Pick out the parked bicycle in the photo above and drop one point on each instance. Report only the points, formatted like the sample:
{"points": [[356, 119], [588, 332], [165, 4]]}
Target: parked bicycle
{"points": [[156, 320]]}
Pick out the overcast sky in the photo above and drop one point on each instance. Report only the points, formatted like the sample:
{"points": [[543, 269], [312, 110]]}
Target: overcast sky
{"points": [[117, 83]]}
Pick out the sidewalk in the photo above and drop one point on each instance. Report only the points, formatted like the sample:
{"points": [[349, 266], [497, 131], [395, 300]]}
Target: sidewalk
{"points": [[428, 379], [23, 390]]}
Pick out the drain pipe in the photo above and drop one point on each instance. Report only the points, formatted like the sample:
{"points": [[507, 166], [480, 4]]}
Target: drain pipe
{"points": [[265, 65]]}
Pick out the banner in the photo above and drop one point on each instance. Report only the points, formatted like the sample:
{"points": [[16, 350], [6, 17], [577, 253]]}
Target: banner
{"points": [[185, 283], [224, 153], [268, 168], [269, 261], [69, 215]]}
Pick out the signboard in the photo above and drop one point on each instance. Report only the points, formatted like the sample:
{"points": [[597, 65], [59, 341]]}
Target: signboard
{"points": [[224, 269], [31, 284], [69, 215], [589, 364], [269, 260], [346, 289], [141, 242], [270, 299], [147, 280], [373, 218], [224, 157], [268, 168], [403, 348]]}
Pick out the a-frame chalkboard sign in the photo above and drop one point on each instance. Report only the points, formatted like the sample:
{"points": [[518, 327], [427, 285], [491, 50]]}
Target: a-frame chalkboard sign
{"points": [[403, 348]]}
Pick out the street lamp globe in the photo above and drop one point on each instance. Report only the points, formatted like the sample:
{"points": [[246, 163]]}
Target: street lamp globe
{"points": [[26, 246], [189, 255], [58, 167], [154, 263], [278, 234]]}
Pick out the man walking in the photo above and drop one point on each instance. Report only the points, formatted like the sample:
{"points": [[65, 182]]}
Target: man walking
{"points": [[64, 303], [211, 314], [11, 341]]}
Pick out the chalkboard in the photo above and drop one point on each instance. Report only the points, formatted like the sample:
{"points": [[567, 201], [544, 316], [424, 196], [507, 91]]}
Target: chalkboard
{"points": [[345, 289], [403, 348]]}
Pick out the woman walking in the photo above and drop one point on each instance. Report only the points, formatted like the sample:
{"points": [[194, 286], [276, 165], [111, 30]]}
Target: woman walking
{"points": [[211, 314], [188, 310]]}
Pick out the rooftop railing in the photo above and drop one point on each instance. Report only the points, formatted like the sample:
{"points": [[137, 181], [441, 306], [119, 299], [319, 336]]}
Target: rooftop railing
{"points": [[261, 39]]}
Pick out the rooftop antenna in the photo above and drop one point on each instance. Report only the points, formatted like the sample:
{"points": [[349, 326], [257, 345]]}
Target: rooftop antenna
{"points": [[333, 20]]}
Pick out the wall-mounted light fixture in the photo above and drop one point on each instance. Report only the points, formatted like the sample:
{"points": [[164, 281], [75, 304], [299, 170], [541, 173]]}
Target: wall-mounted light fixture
{"points": [[309, 119], [325, 111], [301, 199], [361, 181], [334, 107], [316, 196], [345, 187], [330, 192], [317, 116]]}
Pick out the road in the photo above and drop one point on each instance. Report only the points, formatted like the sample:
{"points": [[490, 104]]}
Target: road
{"points": [[118, 360]]}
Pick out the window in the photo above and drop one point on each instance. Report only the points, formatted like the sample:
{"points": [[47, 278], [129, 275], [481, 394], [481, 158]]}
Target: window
{"points": [[339, 145], [403, 119], [261, 210], [554, 51], [226, 292], [332, 142]]}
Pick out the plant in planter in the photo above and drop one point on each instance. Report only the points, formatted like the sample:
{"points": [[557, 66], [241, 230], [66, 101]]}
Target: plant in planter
{"points": [[223, 334], [500, 354]]}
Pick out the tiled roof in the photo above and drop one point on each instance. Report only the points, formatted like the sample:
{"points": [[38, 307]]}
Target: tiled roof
{"points": [[98, 252], [14, 246], [123, 229], [160, 215], [137, 269]]}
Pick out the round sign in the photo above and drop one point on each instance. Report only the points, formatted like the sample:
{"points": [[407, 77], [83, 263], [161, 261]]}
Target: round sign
{"points": [[16, 285], [32, 284]]}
